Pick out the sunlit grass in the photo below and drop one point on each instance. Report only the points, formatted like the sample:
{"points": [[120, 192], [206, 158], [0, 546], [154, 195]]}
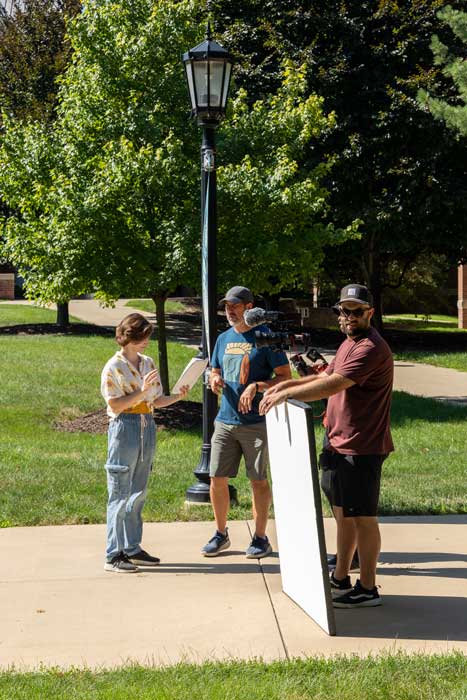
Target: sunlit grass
{"points": [[17, 314], [451, 360], [388, 677], [51, 477], [171, 307], [426, 324]]}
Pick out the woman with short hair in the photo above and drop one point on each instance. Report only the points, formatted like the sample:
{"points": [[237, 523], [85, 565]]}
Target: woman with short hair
{"points": [[130, 385]]}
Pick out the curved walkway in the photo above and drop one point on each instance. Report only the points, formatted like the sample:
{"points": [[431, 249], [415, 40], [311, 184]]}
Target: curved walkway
{"points": [[414, 378]]}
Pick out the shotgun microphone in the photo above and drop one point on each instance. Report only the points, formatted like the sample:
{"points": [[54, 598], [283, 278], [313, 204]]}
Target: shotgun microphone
{"points": [[257, 316]]}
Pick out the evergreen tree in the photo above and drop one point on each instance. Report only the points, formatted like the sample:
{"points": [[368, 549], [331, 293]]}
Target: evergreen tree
{"points": [[453, 63]]}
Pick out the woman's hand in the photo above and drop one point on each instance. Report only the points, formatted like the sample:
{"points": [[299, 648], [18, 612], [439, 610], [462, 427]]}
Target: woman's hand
{"points": [[150, 379], [183, 391]]}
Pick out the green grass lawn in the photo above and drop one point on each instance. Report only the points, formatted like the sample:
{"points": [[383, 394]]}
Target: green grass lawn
{"points": [[52, 477], [430, 324], [171, 307], [396, 677], [16, 314], [452, 360]]}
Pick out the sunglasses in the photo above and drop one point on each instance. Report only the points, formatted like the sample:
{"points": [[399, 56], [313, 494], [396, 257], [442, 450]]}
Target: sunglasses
{"points": [[341, 310]]}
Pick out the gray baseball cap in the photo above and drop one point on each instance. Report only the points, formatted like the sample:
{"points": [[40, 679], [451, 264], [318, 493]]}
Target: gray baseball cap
{"points": [[356, 292], [238, 295]]}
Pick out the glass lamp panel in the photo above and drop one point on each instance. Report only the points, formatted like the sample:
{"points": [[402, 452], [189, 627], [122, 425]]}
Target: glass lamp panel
{"points": [[191, 86], [201, 83], [225, 87], [216, 75]]}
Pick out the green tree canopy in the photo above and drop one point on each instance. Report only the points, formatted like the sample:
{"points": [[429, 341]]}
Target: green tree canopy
{"points": [[399, 171], [453, 63], [274, 213], [111, 188], [33, 54]]}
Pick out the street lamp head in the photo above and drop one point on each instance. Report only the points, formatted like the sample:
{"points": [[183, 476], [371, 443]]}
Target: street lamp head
{"points": [[208, 67]]}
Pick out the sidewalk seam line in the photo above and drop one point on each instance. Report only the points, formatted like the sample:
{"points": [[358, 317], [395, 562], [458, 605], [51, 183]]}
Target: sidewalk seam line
{"points": [[284, 645]]}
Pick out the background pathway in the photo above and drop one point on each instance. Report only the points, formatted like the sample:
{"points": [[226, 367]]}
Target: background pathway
{"points": [[414, 378]]}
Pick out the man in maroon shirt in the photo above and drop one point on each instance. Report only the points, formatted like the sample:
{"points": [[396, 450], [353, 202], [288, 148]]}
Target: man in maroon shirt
{"points": [[358, 387]]}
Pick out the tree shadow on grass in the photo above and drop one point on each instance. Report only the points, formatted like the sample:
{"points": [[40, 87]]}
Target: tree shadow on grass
{"points": [[407, 408]]}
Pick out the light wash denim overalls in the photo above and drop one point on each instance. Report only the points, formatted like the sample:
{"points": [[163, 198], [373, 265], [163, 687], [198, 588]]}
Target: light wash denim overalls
{"points": [[131, 447]]}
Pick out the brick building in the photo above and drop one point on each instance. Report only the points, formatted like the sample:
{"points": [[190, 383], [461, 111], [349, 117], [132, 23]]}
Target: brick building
{"points": [[7, 282]]}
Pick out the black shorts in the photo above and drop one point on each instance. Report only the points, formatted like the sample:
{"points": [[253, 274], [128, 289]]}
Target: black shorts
{"points": [[352, 482]]}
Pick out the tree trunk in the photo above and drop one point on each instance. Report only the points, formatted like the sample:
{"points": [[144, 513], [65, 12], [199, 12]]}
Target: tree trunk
{"points": [[63, 315], [375, 286], [159, 300], [372, 274]]}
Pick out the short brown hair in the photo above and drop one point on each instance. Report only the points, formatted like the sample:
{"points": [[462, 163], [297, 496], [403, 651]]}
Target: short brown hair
{"points": [[133, 329]]}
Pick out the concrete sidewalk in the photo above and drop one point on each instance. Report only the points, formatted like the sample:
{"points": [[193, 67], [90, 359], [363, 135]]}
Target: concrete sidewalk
{"points": [[59, 607]]}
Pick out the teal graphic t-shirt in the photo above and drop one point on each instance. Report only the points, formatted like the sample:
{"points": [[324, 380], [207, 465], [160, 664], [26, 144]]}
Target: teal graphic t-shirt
{"points": [[242, 363]]}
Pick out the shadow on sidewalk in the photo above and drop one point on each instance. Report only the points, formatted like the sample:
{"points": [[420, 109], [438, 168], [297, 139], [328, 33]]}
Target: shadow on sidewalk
{"points": [[407, 617], [420, 557], [214, 567]]}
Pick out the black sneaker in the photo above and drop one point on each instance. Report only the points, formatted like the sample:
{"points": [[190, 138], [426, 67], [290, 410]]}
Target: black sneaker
{"points": [[216, 544], [354, 566], [120, 564], [339, 587], [358, 597], [142, 558], [259, 547]]}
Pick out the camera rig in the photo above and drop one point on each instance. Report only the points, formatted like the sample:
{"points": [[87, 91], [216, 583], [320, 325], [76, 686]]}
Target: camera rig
{"points": [[281, 338]]}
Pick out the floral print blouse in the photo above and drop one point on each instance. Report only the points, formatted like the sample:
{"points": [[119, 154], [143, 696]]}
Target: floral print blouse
{"points": [[120, 377]]}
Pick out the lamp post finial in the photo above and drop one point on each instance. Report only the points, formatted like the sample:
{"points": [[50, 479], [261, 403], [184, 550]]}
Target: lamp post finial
{"points": [[208, 28]]}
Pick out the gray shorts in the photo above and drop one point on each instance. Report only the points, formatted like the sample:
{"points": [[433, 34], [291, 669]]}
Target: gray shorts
{"points": [[230, 442]]}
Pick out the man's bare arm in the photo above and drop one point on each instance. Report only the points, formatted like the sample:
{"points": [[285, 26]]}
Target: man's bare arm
{"points": [[282, 373], [246, 399], [322, 388], [293, 382]]}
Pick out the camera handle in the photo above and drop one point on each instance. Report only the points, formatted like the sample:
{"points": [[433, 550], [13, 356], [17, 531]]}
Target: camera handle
{"points": [[305, 370]]}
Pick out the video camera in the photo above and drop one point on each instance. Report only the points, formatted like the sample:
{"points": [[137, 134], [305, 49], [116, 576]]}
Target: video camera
{"points": [[281, 338]]}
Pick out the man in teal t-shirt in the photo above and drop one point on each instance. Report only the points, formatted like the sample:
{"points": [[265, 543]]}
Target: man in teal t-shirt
{"points": [[241, 372]]}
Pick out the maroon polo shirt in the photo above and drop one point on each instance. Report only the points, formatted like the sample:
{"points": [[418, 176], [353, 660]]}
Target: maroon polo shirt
{"points": [[358, 418]]}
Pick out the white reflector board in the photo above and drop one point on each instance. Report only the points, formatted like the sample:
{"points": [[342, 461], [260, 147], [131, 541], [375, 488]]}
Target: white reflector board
{"points": [[298, 513]]}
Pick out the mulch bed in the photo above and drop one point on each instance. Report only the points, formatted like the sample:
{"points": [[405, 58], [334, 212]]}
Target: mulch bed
{"points": [[53, 329], [183, 415]]}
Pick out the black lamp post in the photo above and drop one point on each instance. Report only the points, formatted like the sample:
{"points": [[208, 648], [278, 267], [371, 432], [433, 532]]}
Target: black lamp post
{"points": [[208, 67]]}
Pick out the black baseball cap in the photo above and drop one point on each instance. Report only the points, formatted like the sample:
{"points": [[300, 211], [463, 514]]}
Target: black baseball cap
{"points": [[238, 295], [356, 292]]}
